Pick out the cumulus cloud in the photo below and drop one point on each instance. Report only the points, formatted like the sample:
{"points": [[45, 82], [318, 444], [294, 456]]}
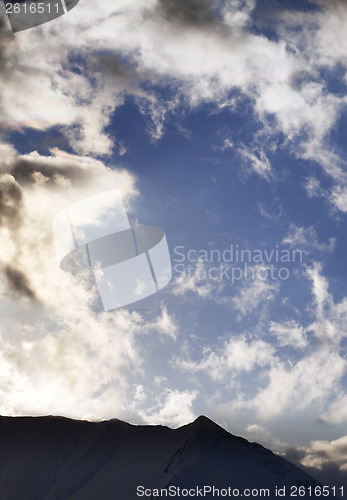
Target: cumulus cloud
{"points": [[60, 353], [54, 90], [73, 364], [201, 55], [28, 90], [173, 407], [318, 374], [312, 378], [10, 201], [215, 54], [337, 413], [322, 459], [320, 453], [209, 58], [236, 355], [33, 188], [260, 434], [193, 13]]}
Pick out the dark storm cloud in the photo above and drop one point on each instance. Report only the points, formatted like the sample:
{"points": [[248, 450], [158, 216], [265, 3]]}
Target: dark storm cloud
{"points": [[125, 76], [18, 284], [10, 217], [328, 474], [23, 170], [110, 64], [190, 12], [10, 201]]}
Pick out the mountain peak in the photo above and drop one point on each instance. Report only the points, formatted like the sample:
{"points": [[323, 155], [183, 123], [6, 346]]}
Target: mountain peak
{"points": [[203, 422]]}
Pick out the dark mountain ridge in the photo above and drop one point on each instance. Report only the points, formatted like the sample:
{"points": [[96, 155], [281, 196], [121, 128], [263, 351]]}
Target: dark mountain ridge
{"points": [[56, 458]]}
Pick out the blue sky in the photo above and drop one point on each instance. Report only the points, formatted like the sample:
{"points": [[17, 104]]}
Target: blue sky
{"points": [[225, 125]]}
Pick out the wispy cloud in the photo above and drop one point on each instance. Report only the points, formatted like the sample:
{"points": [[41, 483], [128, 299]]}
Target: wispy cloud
{"points": [[309, 379], [197, 282], [289, 333], [257, 161], [306, 239], [254, 292], [236, 355]]}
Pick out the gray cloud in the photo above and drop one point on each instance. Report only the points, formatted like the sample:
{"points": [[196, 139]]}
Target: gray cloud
{"points": [[329, 473], [11, 214], [18, 283], [33, 189], [24, 169], [10, 201], [110, 64], [188, 12], [5, 31], [6, 36], [330, 3]]}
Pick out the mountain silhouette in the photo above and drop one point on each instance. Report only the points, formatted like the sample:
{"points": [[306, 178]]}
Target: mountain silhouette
{"points": [[56, 458]]}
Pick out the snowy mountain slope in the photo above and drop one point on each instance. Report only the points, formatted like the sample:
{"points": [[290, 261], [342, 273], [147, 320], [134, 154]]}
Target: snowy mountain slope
{"points": [[54, 458]]}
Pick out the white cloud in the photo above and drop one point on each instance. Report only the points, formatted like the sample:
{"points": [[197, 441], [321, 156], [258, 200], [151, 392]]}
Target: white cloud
{"points": [[200, 61], [173, 408], [255, 292], [260, 434], [237, 12], [82, 365], [289, 333], [320, 453], [310, 380], [285, 382], [313, 187], [317, 375], [257, 161], [235, 356], [203, 62], [320, 289], [308, 110], [38, 73], [197, 281], [164, 324], [60, 354], [337, 413], [305, 239], [303, 106]]}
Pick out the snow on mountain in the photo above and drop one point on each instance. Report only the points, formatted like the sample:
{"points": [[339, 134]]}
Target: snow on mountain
{"points": [[55, 458]]}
